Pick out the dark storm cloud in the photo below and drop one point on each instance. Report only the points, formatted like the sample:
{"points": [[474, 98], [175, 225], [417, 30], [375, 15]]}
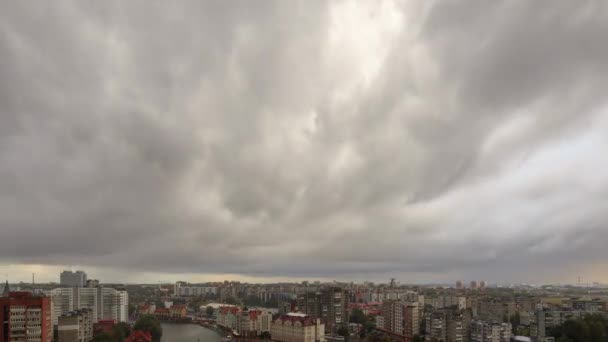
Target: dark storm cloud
{"points": [[304, 138]]}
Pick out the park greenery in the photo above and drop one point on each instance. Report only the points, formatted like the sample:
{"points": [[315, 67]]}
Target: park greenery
{"points": [[151, 324], [119, 332], [591, 328]]}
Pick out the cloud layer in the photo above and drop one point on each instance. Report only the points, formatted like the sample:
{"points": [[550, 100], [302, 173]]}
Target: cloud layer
{"points": [[432, 140]]}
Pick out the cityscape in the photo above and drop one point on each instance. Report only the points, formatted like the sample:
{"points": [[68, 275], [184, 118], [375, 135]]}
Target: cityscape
{"points": [[80, 309], [303, 171]]}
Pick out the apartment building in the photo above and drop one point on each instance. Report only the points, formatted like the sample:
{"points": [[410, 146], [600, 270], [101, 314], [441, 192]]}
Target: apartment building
{"points": [[25, 317], [483, 331], [104, 302]]}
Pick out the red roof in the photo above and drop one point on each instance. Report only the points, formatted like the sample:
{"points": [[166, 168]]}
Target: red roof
{"points": [[104, 325], [306, 320], [139, 336], [226, 309], [253, 314]]}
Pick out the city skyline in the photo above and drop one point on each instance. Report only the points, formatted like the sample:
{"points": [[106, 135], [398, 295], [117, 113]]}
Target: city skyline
{"points": [[201, 278], [423, 141]]}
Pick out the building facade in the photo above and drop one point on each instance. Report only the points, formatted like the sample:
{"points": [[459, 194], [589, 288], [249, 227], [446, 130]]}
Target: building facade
{"points": [[182, 289], [104, 302], [25, 317], [73, 279], [297, 328], [226, 316], [330, 304], [251, 323], [75, 326], [482, 331]]}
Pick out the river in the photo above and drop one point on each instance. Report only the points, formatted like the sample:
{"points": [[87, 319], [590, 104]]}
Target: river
{"points": [[188, 333]]}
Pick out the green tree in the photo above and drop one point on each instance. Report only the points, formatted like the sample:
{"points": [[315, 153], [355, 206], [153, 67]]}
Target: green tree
{"points": [[272, 303], [343, 331], [253, 301], [563, 339], [103, 337], [151, 324], [230, 300], [417, 338], [195, 303], [591, 328], [515, 321], [209, 311], [120, 331], [357, 316]]}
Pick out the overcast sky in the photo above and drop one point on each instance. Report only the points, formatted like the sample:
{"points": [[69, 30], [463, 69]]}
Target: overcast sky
{"points": [[260, 140]]}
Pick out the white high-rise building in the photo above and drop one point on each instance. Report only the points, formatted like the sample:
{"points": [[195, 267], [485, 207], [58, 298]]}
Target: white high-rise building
{"points": [[104, 302], [62, 301]]}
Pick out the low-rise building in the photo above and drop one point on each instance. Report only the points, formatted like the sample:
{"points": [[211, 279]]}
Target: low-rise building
{"points": [[252, 323], [177, 312], [226, 316], [162, 314], [297, 328]]}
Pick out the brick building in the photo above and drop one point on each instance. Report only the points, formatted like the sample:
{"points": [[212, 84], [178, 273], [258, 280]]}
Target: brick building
{"points": [[25, 317]]}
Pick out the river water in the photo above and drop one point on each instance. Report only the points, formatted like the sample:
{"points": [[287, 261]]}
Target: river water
{"points": [[188, 333]]}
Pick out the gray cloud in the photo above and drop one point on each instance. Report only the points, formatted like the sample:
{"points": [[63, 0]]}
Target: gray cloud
{"points": [[428, 140]]}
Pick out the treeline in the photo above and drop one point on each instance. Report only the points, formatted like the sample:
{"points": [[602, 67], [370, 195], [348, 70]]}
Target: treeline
{"points": [[591, 328], [122, 330]]}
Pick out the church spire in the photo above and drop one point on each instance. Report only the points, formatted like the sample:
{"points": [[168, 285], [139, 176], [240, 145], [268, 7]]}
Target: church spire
{"points": [[7, 290]]}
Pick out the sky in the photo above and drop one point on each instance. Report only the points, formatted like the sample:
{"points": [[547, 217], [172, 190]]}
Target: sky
{"points": [[427, 141]]}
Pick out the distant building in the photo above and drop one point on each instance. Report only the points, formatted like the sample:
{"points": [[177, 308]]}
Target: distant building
{"points": [[75, 326], [146, 309], [73, 279], [162, 314], [177, 311], [297, 328], [182, 289], [92, 283], [482, 331], [25, 317], [380, 322], [473, 284], [330, 304], [538, 329]]}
